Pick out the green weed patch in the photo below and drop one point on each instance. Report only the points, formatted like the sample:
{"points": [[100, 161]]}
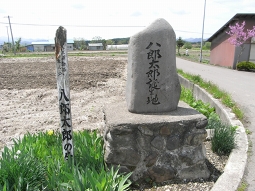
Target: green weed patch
{"points": [[215, 91], [36, 163]]}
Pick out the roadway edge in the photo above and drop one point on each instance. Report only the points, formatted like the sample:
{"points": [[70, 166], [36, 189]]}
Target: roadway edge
{"points": [[235, 167]]}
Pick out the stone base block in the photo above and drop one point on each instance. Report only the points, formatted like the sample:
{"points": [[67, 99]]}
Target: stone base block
{"points": [[161, 146]]}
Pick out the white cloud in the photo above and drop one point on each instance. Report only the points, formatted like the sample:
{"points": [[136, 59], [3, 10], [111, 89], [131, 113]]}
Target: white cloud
{"points": [[183, 15]]}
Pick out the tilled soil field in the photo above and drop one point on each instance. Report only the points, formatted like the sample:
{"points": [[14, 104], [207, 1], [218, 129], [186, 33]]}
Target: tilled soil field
{"points": [[28, 100], [28, 93]]}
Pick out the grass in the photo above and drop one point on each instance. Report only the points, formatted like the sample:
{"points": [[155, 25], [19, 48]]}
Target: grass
{"points": [[249, 148], [248, 132], [215, 91], [194, 55], [36, 163], [242, 187], [200, 106], [238, 112]]}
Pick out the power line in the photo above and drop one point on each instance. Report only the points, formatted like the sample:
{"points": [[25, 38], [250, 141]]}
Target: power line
{"points": [[192, 32], [95, 26], [68, 25]]}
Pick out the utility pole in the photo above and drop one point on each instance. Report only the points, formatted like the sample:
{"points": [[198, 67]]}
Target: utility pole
{"points": [[14, 50], [8, 38], [200, 60]]}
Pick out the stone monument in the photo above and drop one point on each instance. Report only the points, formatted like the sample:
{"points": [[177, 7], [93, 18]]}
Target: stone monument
{"points": [[152, 134], [152, 80]]}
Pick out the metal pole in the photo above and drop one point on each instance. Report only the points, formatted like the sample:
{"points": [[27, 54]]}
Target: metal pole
{"points": [[14, 50], [200, 60], [8, 37]]}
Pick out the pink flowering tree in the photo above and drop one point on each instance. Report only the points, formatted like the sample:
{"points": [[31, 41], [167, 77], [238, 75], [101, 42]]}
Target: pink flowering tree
{"points": [[238, 36]]}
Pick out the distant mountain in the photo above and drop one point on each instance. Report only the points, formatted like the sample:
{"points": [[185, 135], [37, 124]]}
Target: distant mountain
{"points": [[192, 40], [24, 41]]}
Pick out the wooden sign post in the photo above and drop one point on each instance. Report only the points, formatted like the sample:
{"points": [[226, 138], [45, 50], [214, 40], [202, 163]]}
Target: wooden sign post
{"points": [[64, 92]]}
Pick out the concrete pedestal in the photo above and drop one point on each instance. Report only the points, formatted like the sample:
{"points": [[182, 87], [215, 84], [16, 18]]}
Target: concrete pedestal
{"points": [[161, 146]]}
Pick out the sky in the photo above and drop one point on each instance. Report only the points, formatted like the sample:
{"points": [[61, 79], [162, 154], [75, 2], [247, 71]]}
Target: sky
{"points": [[37, 19]]}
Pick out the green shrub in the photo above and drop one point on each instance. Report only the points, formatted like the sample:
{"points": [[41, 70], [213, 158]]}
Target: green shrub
{"points": [[247, 66], [207, 46], [187, 45], [223, 140]]}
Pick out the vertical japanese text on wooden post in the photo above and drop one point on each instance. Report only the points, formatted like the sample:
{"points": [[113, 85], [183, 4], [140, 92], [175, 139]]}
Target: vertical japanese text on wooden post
{"points": [[64, 92]]}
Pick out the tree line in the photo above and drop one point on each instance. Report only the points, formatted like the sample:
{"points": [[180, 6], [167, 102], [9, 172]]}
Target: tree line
{"points": [[180, 43], [7, 47], [82, 44]]}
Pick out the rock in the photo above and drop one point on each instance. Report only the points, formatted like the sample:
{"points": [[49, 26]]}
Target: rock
{"points": [[152, 82]]}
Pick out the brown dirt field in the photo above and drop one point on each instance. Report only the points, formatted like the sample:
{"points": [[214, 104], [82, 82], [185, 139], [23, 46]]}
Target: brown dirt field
{"points": [[28, 93]]}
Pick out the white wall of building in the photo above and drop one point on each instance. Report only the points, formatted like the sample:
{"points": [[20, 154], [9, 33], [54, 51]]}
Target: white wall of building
{"points": [[38, 48], [117, 47], [69, 47]]}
